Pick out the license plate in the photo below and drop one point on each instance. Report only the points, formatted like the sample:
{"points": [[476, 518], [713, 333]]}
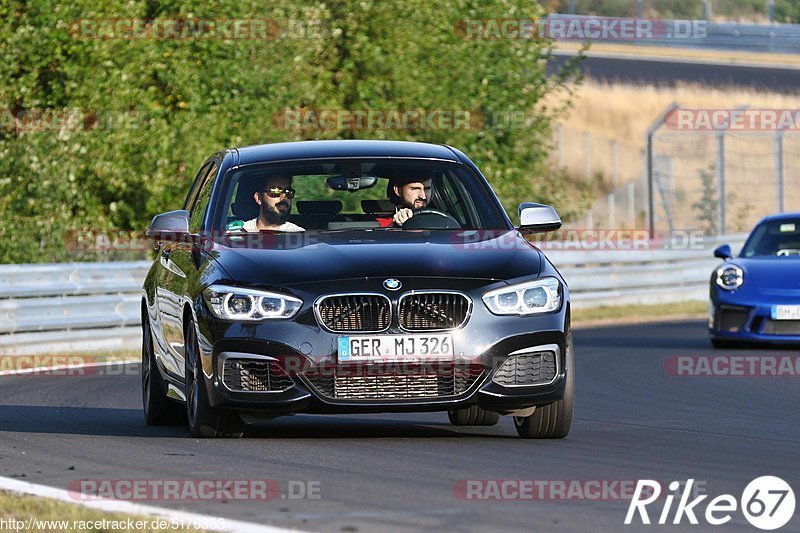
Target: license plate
{"points": [[395, 348], [786, 312]]}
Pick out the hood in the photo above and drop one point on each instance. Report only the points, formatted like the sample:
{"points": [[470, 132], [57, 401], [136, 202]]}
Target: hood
{"points": [[769, 274], [284, 259]]}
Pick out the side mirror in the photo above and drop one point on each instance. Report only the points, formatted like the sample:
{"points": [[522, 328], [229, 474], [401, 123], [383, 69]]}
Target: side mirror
{"points": [[535, 218], [169, 223], [723, 252]]}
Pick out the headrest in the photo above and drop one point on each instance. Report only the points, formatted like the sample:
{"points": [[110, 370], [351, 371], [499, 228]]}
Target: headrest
{"points": [[375, 207], [319, 207], [244, 205]]}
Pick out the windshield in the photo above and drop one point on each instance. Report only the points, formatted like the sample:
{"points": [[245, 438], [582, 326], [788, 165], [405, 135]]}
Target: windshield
{"points": [[350, 194], [777, 239]]}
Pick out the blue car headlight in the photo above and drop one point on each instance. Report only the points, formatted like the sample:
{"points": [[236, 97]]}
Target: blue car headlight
{"points": [[249, 305], [533, 297], [730, 277]]}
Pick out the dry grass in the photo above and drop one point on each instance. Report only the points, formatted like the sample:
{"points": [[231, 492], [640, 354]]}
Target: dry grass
{"points": [[631, 314], [728, 56], [606, 114], [78, 518], [624, 112]]}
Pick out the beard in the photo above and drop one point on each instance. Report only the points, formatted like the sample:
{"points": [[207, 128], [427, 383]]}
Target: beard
{"points": [[274, 215]]}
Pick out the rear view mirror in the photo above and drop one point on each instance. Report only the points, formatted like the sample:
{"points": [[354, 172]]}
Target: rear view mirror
{"points": [[169, 223], [534, 218], [352, 184], [723, 252]]}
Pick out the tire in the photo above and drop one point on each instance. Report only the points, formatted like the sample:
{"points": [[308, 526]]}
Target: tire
{"points": [[158, 409], [554, 420], [473, 416], [204, 420]]}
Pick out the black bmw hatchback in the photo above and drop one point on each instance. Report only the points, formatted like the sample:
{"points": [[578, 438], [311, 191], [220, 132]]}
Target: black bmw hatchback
{"points": [[352, 277]]}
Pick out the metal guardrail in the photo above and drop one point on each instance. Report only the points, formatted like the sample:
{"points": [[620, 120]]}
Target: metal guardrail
{"points": [[775, 38], [78, 307]]}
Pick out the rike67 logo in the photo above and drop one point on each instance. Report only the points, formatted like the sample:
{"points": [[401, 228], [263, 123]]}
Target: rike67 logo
{"points": [[767, 503]]}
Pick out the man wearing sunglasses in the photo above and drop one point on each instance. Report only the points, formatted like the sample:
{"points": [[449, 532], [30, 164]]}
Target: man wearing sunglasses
{"points": [[274, 199]]}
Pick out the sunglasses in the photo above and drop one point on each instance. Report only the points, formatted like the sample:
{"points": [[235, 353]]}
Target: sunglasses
{"points": [[276, 192]]}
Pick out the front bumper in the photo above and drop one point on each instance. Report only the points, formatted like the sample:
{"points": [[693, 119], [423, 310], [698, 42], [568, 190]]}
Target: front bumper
{"points": [[733, 317], [304, 357]]}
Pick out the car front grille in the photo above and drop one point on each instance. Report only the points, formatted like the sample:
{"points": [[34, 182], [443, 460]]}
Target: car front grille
{"points": [[433, 311], [526, 369], [354, 312], [407, 383], [253, 375], [731, 319], [782, 327]]}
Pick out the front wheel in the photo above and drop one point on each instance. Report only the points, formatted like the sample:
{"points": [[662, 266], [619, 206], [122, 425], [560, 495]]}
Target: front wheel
{"points": [[473, 416], [554, 420], [158, 409], [204, 420]]}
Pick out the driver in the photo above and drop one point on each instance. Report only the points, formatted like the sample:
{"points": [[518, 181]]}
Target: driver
{"points": [[274, 199], [408, 194]]}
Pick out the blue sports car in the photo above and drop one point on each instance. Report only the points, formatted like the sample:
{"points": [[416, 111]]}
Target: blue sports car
{"points": [[755, 297]]}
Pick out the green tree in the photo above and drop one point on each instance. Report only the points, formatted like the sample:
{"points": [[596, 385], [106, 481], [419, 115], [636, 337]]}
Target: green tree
{"points": [[150, 110]]}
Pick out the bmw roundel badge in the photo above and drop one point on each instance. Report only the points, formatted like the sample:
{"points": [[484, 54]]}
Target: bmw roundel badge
{"points": [[392, 284]]}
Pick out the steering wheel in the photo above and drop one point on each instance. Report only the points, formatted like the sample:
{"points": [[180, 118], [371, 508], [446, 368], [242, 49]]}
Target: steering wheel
{"points": [[428, 218]]}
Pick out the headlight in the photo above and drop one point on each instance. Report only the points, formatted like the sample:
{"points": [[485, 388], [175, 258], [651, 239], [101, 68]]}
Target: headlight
{"points": [[233, 303], [730, 277], [540, 296]]}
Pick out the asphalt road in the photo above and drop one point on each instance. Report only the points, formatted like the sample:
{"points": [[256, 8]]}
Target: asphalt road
{"points": [[398, 472], [672, 73]]}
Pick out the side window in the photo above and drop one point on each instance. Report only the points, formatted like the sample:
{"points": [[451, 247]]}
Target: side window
{"points": [[198, 182], [201, 202], [455, 200]]}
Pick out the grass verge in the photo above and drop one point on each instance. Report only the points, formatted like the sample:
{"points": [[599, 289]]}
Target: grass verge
{"points": [[36, 514], [632, 314]]}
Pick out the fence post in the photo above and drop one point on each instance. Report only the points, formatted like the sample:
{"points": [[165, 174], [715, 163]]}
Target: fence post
{"points": [[651, 212], [560, 146], [721, 230], [779, 168], [632, 204], [614, 163], [611, 209]]}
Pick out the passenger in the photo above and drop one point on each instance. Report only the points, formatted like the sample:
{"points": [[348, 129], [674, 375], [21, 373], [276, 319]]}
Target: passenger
{"points": [[275, 204]]}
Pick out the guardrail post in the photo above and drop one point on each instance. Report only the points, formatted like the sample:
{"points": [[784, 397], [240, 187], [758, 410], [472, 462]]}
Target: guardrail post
{"points": [[614, 163], [771, 11]]}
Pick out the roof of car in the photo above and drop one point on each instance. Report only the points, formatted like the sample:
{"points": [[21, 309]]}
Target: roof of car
{"points": [[781, 216], [341, 148]]}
